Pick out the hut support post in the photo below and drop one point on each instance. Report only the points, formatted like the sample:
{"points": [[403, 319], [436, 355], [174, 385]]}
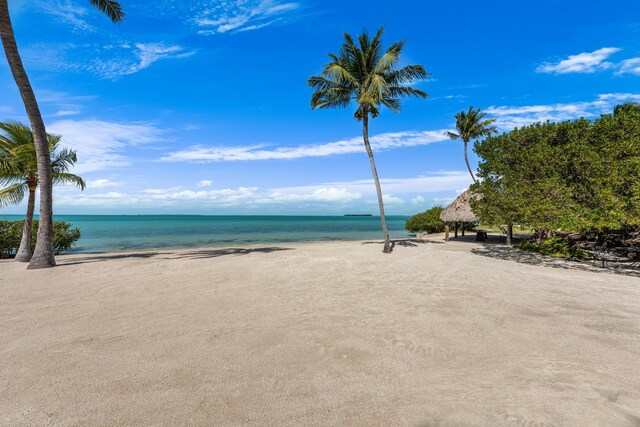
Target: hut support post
{"points": [[446, 232], [462, 226], [455, 232]]}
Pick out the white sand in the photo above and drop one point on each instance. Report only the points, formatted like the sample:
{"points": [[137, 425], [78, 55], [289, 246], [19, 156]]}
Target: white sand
{"points": [[317, 334]]}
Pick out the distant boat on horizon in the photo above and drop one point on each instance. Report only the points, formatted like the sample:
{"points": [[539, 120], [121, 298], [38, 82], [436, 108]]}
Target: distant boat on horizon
{"points": [[358, 215]]}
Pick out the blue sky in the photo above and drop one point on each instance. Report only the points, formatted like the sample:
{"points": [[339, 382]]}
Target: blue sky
{"points": [[203, 107]]}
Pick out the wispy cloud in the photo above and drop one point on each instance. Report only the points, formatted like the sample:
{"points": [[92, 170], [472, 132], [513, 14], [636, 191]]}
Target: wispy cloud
{"points": [[247, 15], [384, 141], [509, 117], [586, 62], [109, 62], [101, 144], [629, 66], [70, 13], [205, 183]]}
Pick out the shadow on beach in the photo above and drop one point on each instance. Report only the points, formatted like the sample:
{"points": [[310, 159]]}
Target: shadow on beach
{"points": [[188, 254], [523, 257], [403, 242]]}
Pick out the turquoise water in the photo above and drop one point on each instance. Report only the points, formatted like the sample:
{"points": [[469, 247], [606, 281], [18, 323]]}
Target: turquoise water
{"points": [[109, 233]]}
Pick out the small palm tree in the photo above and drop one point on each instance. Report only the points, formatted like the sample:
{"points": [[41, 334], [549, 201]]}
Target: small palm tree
{"points": [[471, 125], [43, 255], [19, 173], [367, 74]]}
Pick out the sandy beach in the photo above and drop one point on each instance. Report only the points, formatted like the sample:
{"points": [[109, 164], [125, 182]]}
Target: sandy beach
{"points": [[330, 333]]}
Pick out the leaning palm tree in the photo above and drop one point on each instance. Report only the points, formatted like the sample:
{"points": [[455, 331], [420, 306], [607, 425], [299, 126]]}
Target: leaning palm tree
{"points": [[471, 125], [367, 74], [19, 173], [43, 255]]}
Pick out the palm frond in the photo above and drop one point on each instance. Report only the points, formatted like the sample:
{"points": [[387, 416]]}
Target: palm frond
{"points": [[406, 75], [365, 72], [68, 178], [407, 91], [12, 195], [18, 163], [390, 57], [470, 125], [110, 8], [452, 135], [63, 160]]}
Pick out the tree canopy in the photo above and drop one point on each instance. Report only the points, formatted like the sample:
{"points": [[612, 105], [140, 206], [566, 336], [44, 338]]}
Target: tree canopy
{"points": [[576, 175]]}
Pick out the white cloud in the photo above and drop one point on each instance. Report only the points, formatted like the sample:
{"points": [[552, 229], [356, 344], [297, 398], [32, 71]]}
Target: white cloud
{"points": [[388, 199], [443, 200], [148, 53], [110, 195], [63, 113], [509, 117], [321, 194], [348, 146], [418, 200], [223, 196], [102, 183], [109, 62], [244, 15], [586, 62], [100, 144], [629, 66], [432, 183], [324, 194], [68, 12], [205, 183]]}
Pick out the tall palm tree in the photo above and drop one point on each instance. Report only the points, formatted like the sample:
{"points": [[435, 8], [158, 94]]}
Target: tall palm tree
{"points": [[43, 255], [471, 125], [367, 74], [19, 173]]}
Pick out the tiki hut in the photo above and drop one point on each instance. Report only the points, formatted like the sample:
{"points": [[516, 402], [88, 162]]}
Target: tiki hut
{"points": [[459, 212]]}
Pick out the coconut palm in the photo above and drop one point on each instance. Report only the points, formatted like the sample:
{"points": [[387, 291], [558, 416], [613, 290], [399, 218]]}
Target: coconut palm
{"points": [[43, 255], [471, 125], [19, 173], [368, 75]]}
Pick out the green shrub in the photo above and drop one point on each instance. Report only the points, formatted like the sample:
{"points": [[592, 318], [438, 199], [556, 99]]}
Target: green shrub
{"points": [[64, 237], [428, 221], [558, 247]]}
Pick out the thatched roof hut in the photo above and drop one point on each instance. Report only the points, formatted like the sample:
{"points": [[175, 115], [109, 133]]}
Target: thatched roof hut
{"points": [[460, 209]]}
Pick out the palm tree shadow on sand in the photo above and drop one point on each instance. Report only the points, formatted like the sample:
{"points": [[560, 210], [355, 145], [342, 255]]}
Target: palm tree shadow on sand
{"points": [[404, 242], [190, 254], [524, 257]]}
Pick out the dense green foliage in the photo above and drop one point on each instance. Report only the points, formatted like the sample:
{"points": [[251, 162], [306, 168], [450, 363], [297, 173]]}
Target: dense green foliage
{"points": [[581, 175], [64, 237], [428, 221], [558, 247]]}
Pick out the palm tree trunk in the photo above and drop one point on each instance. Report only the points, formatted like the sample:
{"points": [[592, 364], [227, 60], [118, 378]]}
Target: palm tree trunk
{"points": [[466, 159], [43, 255], [365, 134], [24, 251]]}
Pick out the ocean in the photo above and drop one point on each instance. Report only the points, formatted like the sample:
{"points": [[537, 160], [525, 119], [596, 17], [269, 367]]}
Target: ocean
{"points": [[116, 233]]}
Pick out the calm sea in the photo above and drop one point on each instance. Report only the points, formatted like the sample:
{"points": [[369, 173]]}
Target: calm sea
{"points": [[109, 233]]}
